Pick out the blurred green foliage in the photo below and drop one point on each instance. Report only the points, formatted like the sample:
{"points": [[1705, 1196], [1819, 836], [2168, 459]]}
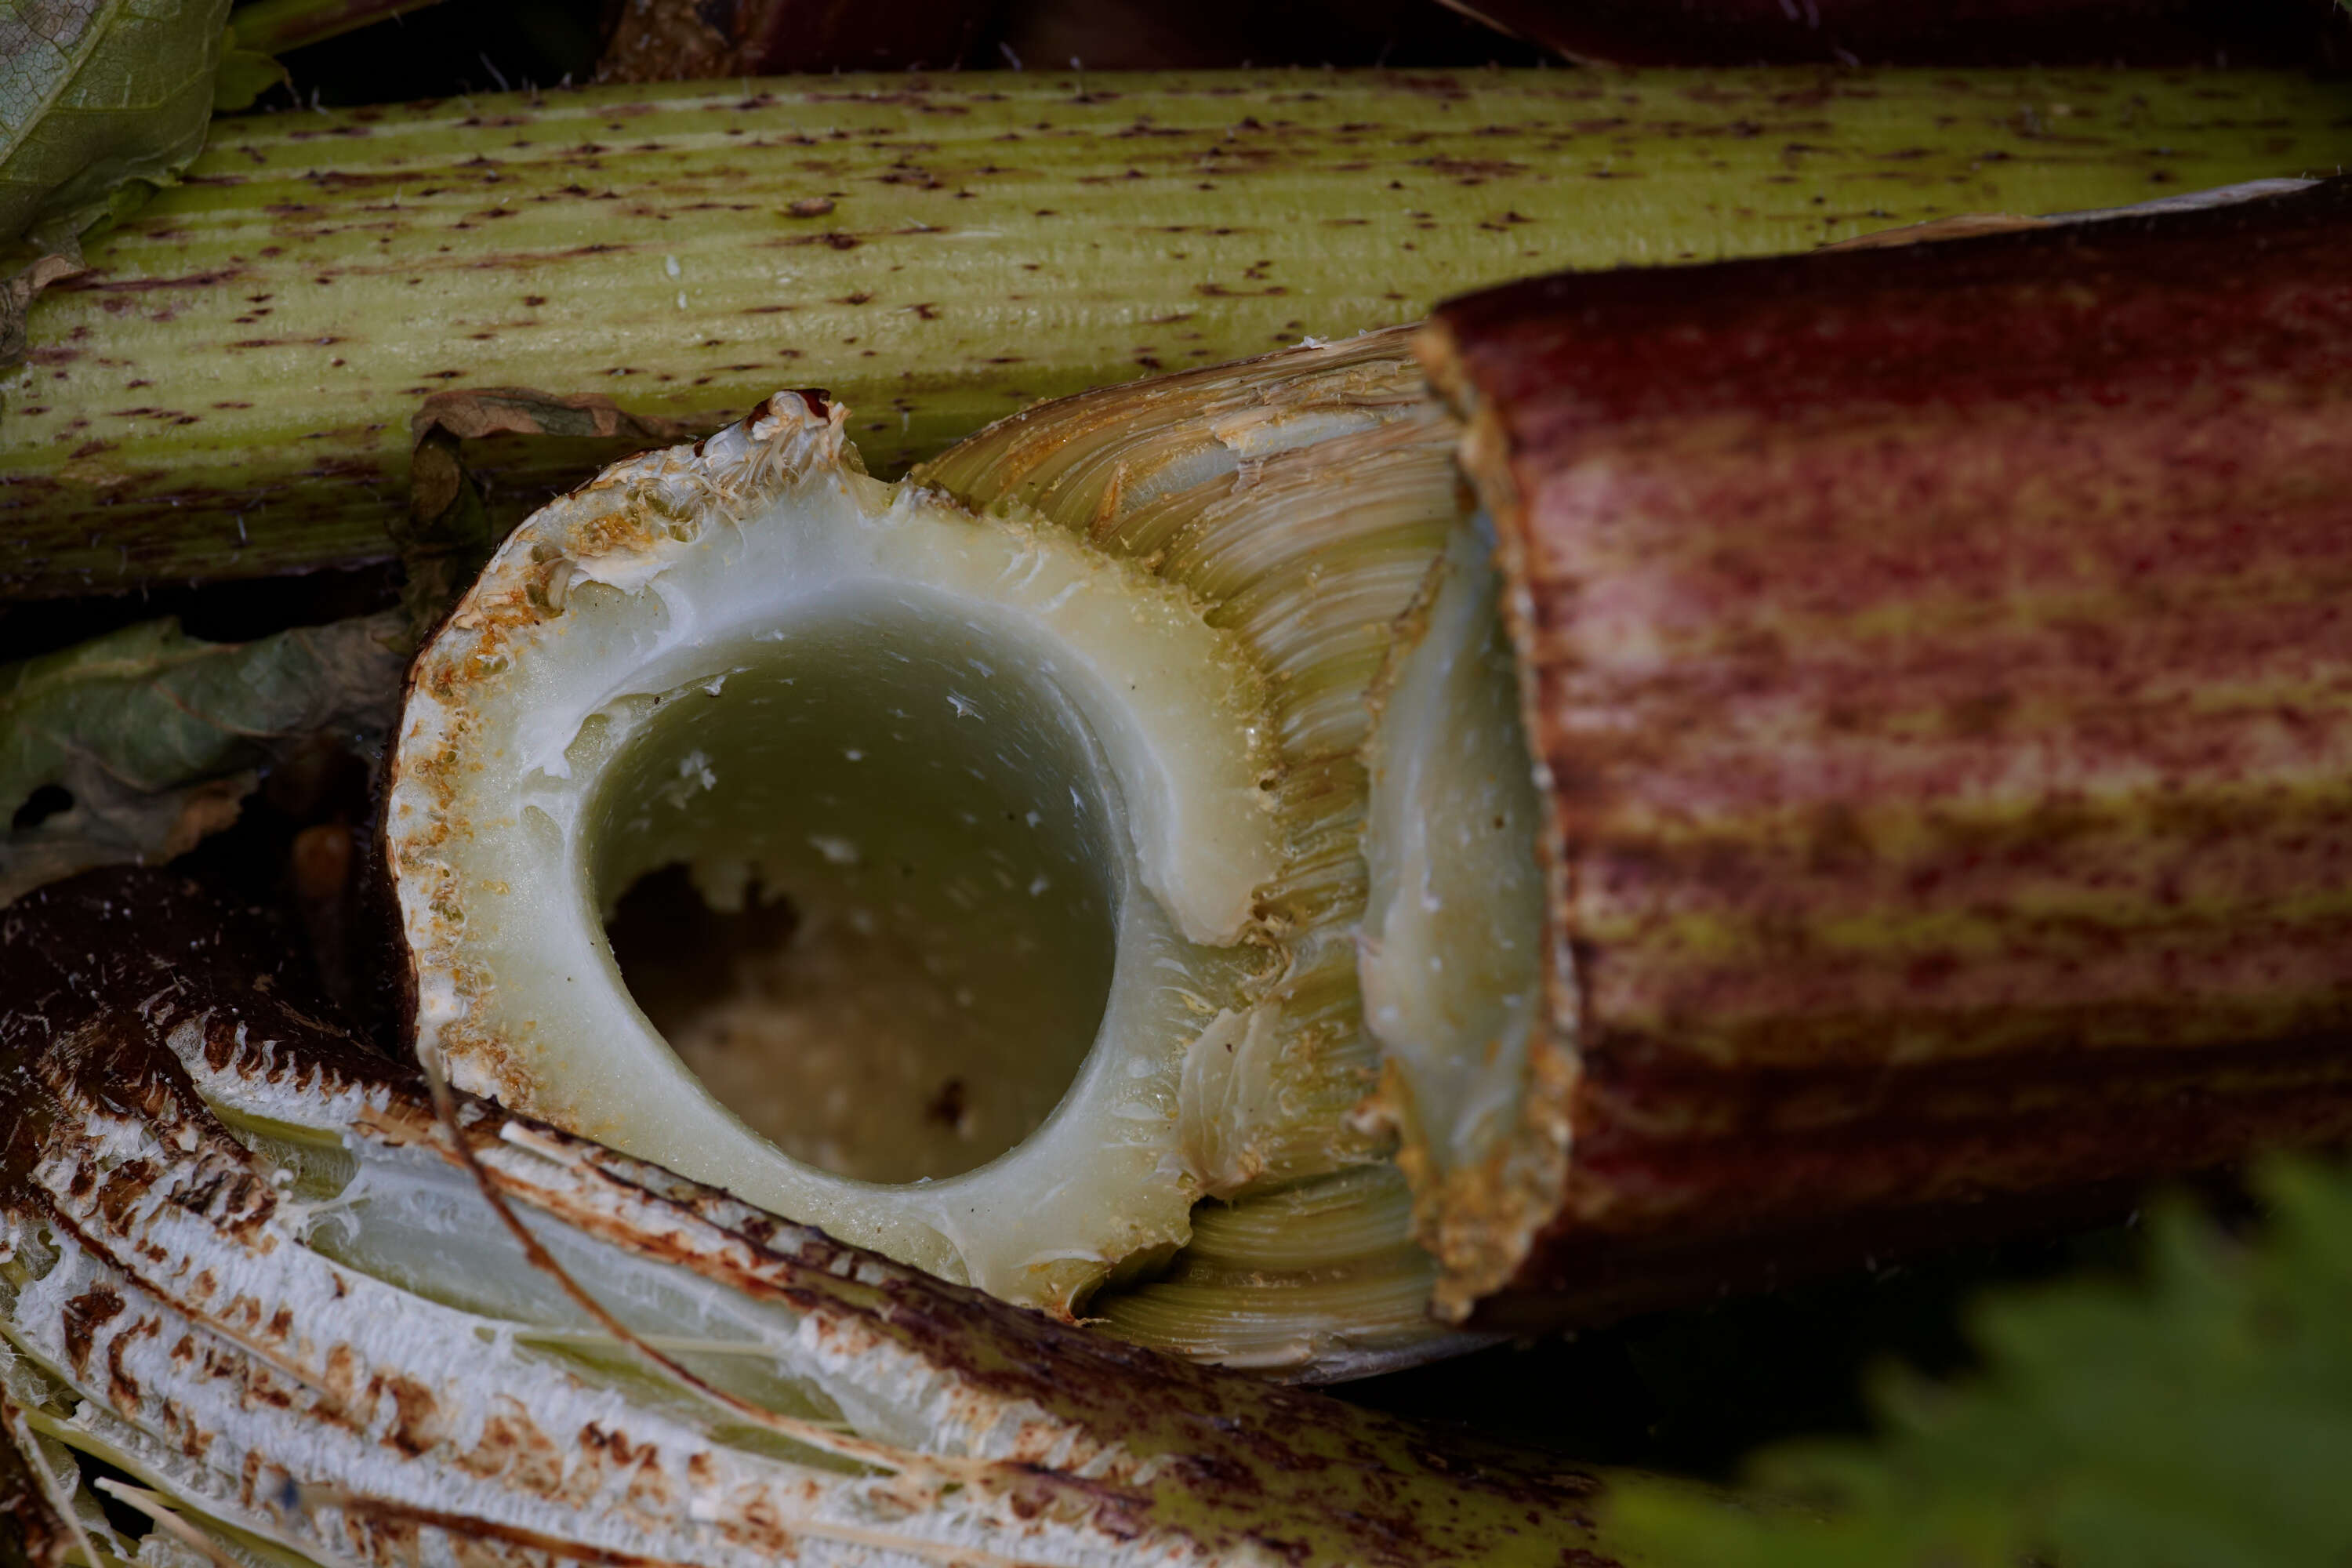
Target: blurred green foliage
{"points": [[2198, 1417]]}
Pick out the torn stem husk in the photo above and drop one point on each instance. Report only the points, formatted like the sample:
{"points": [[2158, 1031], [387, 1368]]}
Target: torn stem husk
{"points": [[245, 1268]]}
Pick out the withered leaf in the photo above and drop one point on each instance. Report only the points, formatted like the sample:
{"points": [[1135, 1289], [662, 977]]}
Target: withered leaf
{"points": [[450, 532], [153, 736]]}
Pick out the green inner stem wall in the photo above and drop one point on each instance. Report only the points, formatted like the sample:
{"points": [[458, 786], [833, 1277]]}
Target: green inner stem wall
{"points": [[916, 835]]}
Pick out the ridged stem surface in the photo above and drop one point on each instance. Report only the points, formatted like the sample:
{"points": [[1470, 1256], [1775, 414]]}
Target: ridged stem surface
{"points": [[1944, 706], [228, 390]]}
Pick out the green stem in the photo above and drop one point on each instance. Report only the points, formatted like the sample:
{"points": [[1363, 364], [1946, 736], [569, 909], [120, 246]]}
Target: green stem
{"points": [[228, 392], [274, 26]]}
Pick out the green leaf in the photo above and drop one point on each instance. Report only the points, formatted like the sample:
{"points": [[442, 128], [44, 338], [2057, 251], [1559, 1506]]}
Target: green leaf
{"points": [[100, 102], [2199, 1419], [155, 736], [245, 75]]}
